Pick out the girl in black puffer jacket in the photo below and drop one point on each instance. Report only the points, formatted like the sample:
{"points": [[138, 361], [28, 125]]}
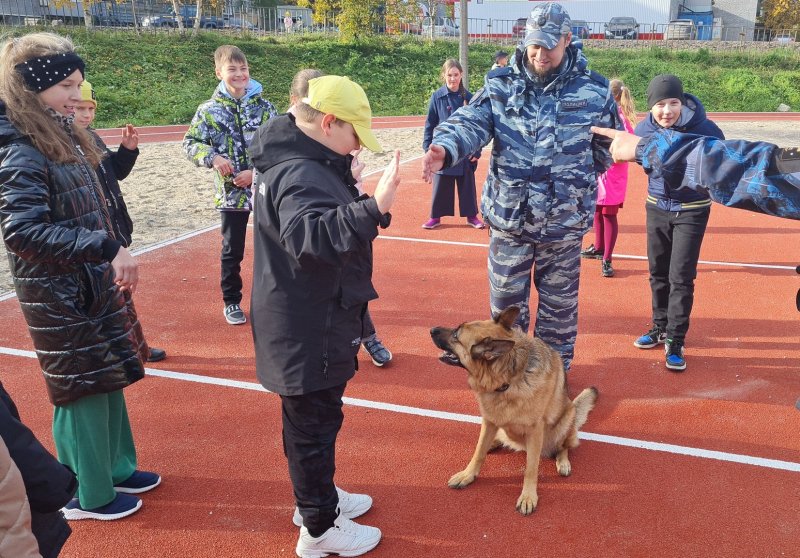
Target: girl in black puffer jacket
{"points": [[73, 278]]}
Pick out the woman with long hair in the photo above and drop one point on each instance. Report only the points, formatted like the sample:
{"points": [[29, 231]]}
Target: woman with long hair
{"points": [[73, 279], [444, 102]]}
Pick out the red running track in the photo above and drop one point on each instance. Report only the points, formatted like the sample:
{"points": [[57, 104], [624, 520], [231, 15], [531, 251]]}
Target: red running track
{"points": [[704, 463], [150, 134]]}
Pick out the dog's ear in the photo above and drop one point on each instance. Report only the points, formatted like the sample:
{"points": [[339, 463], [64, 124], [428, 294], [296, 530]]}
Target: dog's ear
{"points": [[489, 349], [507, 317]]}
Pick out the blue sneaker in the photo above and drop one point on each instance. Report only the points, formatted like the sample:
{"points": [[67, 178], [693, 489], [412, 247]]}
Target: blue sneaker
{"points": [[652, 338], [121, 506], [380, 354], [673, 349], [138, 482]]}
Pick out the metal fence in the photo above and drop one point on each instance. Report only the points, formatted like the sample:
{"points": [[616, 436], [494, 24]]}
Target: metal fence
{"points": [[155, 16]]}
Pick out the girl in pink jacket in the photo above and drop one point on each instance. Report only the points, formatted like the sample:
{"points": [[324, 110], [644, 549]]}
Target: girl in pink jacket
{"points": [[611, 187]]}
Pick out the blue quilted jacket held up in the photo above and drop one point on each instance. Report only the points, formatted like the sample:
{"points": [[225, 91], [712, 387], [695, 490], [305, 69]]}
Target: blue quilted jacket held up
{"points": [[542, 180], [752, 175]]}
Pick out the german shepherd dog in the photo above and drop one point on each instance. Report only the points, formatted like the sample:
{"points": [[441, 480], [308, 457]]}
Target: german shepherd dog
{"points": [[521, 388]]}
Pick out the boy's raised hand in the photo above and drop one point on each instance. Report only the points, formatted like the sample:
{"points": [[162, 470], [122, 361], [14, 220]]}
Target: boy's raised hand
{"points": [[387, 186], [130, 137]]}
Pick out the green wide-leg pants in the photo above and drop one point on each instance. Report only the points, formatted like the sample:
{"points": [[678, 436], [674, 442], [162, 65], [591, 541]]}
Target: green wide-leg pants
{"points": [[93, 437]]}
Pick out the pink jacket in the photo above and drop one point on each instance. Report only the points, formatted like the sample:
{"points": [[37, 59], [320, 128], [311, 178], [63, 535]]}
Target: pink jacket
{"points": [[612, 184]]}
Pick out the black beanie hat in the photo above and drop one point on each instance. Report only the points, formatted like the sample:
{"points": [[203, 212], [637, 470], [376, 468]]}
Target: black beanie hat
{"points": [[665, 86]]}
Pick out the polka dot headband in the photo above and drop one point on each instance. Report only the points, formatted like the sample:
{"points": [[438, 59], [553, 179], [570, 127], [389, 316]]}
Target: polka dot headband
{"points": [[43, 72]]}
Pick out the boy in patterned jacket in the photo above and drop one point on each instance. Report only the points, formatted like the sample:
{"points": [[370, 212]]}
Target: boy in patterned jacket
{"points": [[218, 138]]}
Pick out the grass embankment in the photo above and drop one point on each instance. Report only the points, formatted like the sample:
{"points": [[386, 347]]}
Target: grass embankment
{"points": [[161, 78]]}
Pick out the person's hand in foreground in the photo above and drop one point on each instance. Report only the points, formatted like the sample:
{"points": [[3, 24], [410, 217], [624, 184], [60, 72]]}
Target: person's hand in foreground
{"points": [[432, 161], [126, 270], [623, 144], [387, 186]]}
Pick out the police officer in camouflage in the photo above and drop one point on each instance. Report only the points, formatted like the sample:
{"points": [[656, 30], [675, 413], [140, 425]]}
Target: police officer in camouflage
{"points": [[539, 196]]}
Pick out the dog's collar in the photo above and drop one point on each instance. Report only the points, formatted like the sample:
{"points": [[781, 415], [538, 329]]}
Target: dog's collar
{"points": [[502, 388]]}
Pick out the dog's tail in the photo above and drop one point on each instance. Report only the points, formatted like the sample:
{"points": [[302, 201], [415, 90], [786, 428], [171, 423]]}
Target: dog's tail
{"points": [[584, 403]]}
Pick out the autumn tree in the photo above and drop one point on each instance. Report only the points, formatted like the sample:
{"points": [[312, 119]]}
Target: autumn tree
{"points": [[781, 14]]}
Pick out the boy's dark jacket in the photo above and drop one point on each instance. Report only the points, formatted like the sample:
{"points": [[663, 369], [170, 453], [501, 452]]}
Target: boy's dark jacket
{"points": [[116, 166], [693, 120], [49, 484], [312, 261]]}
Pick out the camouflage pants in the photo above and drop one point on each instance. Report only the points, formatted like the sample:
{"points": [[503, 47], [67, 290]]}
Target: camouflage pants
{"points": [[556, 273]]}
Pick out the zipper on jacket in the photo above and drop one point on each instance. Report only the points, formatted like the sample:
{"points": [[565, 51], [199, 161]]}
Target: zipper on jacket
{"points": [[328, 319]]}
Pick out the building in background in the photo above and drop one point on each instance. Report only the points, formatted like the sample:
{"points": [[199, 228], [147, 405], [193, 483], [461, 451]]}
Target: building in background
{"points": [[734, 19]]}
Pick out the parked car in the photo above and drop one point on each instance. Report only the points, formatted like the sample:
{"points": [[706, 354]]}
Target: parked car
{"points": [[240, 24], [681, 29], [622, 28], [580, 29], [189, 13], [439, 27], [518, 29], [785, 37]]}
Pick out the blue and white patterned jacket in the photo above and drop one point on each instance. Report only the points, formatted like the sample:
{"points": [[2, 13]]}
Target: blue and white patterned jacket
{"points": [[753, 175], [542, 179]]}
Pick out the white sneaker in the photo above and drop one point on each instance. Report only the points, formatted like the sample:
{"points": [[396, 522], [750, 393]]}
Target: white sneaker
{"points": [[350, 506], [345, 538]]}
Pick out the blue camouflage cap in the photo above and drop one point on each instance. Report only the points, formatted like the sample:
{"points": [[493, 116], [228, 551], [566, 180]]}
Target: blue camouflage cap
{"points": [[547, 23]]}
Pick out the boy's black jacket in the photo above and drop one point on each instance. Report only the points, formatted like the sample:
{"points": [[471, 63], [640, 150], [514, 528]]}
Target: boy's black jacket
{"points": [[312, 261]]}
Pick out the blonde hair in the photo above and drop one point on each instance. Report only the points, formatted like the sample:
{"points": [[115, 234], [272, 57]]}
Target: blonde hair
{"points": [[28, 114], [622, 95], [228, 53]]}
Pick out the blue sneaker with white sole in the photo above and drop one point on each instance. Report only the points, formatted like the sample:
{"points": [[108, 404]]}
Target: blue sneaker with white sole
{"points": [[138, 482], [121, 506]]}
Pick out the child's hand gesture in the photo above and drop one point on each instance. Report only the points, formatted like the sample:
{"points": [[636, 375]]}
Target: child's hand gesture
{"points": [[130, 137], [387, 186], [357, 167]]}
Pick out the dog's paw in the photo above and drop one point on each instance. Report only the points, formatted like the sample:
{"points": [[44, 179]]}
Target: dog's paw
{"points": [[461, 479], [526, 504], [564, 467]]}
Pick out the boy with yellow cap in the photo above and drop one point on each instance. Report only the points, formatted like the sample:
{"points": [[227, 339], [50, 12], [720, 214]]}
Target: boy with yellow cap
{"points": [[312, 276], [116, 166]]}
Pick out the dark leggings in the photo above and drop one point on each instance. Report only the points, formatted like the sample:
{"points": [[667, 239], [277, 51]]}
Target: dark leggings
{"points": [[605, 233]]}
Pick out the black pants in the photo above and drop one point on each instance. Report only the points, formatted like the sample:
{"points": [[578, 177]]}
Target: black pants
{"points": [[444, 188], [673, 248], [234, 231], [311, 423], [367, 327]]}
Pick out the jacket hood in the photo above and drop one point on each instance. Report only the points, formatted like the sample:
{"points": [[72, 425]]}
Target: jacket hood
{"points": [[693, 113], [280, 140], [8, 132], [254, 88]]}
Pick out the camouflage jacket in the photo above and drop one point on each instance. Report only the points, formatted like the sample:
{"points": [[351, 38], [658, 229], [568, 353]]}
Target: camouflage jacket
{"points": [[757, 176], [542, 176], [224, 126]]}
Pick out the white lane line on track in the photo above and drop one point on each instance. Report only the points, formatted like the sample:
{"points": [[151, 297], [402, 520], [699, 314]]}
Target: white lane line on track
{"points": [[623, 256], [458, 417]]}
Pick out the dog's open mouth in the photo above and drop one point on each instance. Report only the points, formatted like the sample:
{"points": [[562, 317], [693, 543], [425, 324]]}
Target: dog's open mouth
{"points": [[450, 358]]}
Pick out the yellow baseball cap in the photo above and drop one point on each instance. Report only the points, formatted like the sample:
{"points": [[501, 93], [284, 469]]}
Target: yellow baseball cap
{"points": [[87, 93], [346, 100]]}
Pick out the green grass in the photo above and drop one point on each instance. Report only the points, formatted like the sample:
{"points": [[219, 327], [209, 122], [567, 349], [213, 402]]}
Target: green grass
{"points": [[161, 78]]}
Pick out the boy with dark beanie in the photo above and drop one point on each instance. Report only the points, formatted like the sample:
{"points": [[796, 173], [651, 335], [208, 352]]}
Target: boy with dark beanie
{"points": [[676, 222]]}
